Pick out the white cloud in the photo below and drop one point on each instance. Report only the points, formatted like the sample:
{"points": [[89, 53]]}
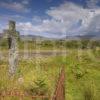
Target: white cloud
{"points": [[15, 6], [26, 2], [67, 19], [70, 12], [11, 17], [94, 27], [2, 27], [25, 26], [36, 20], [92, 3]]}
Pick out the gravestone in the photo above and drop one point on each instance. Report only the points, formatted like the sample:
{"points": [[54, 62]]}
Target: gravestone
{"points": [[12, 35]]}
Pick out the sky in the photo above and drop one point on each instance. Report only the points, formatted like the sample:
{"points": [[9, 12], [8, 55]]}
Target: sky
{"points": [[52, 18]]}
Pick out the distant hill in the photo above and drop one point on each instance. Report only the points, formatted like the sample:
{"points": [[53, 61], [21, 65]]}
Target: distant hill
{"points": [[34, 37], [77, 37]]}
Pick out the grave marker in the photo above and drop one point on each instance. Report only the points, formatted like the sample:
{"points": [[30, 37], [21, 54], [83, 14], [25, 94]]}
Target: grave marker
{"points": [[12, 35]]}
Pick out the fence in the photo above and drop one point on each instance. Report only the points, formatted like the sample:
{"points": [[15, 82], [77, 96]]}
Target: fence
{"points": [[59, 93]]}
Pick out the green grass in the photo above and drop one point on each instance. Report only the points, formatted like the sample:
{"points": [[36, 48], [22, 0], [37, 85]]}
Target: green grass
{"points": [[30, 72], [82, 74]]}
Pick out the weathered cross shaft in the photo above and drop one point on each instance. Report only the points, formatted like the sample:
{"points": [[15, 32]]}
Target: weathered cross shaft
{"points": [[12, 36]]}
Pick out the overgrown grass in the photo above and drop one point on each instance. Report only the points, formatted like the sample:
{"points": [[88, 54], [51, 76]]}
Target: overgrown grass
{"points": [[33, 76], [82, 75], [81, 72]]}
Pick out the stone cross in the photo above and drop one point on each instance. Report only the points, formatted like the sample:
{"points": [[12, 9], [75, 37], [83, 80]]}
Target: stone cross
{"points": [[12, 36]]}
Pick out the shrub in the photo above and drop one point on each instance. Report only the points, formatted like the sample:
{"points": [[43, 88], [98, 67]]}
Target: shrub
{"points": [[39, 87], [78, 71]]}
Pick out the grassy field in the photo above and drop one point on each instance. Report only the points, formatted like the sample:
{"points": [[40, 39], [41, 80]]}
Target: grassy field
{"points": [[34, 75], [82, 77]]}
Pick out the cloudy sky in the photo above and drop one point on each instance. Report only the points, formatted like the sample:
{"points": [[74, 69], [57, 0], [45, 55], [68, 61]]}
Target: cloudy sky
{"points": [[52, 18]]}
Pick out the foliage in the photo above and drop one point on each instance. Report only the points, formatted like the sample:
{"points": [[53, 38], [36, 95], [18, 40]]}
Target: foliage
{"points": [[78, 71], [39, 87], [57, 44]]}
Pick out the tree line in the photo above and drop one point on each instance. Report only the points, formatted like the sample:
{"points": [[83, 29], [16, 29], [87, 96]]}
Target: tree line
{"points": [[71, 44]]}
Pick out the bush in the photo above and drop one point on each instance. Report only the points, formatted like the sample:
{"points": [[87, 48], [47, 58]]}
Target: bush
{"points": [[39, 87], [78, 71]]}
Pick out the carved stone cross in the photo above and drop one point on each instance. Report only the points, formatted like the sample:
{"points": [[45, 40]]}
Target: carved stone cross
{"points": [[12, 36]]}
